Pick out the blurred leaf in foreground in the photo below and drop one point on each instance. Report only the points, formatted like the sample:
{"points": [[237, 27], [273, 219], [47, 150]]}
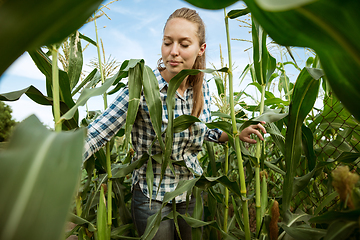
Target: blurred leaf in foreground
{"points": [[40, 170]]}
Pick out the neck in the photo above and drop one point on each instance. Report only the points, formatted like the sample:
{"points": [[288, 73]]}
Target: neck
{"points": [[183, 86]]}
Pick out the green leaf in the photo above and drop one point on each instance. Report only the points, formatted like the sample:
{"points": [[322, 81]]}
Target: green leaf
{"points": [[45, 66], [223, 125], [81, 221], [84, 82], [212, 4], [123, 73], [275, 101], [237, 13], [39, 23], [278, 5], [206, 182], [84, 97], [219, 114], [308, 146], [274, 168], [150, 178], [304, 232], [193, 222], [135, 68], [331, 216], [122, 171], [325, 202], [32, 92], [120, 232], [303, 99], [341, 230], [270, 115], [264, 195], [276, 135], [183, 186], [153, 101], [306, 26], [264, 63], [38, 175], [101, 222], [75, 59], [300, 183], [212, 171], [219, 85], [152, 226], [89, 40], [183, 122], [347, 157]]}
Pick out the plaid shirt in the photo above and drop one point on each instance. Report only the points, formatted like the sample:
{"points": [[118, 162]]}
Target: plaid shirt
{"points": [[186, 146]]}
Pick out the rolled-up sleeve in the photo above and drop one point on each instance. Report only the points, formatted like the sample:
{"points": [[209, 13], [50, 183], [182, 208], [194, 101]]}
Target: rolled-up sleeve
{"points": [[213, 135], [107, 124]]}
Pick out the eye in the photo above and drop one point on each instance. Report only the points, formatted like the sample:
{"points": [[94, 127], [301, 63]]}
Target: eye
{"points": [[167, 42], [185, 45]]}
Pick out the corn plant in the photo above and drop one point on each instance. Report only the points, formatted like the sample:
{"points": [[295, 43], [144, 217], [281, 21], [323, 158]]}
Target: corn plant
{"points": [[102, 211]]}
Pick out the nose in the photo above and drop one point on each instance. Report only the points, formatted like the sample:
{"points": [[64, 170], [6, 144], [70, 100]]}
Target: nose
{"points": [[175, 49]]}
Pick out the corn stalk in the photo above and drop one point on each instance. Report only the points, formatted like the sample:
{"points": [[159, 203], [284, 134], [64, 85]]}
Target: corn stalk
{"points": [[107, 146], [226, 170], [237, 140], [56, 88]]}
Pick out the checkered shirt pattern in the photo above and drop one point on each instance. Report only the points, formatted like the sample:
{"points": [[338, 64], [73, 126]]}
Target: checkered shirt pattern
{"points": [[186, 146]]}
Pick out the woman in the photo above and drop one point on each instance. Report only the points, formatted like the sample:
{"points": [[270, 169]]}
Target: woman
{"points": [[183, 47]]}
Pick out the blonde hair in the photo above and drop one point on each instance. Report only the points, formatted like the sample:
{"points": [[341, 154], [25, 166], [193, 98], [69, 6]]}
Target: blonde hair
{"points": [[196, 81]]}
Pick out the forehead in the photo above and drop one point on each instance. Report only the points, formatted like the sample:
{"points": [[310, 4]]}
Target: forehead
{"points": [[180, 28]]}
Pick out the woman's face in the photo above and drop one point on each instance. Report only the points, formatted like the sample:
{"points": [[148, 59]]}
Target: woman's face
{"points": [[180, 46]]}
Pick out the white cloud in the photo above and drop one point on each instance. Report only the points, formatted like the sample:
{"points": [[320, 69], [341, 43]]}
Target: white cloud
{"points": [[124, 47], [25, 67]]}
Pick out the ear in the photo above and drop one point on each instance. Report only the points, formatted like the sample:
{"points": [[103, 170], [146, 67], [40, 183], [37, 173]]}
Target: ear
{"points": [[202, 49]]}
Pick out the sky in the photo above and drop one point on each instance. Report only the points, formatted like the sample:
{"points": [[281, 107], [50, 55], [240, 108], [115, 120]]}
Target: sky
{"points": [[133, 30]]}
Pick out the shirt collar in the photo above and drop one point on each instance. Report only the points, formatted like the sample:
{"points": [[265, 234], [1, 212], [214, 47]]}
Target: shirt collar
{"points": [[163, 83], [161, 80]]}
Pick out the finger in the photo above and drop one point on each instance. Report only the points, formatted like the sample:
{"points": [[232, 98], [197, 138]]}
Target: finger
{"points": [[260, 126], [257, 133], [249, 140]]}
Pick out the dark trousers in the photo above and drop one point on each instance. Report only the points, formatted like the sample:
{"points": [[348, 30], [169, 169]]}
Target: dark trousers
{"points": [[140, 212]]}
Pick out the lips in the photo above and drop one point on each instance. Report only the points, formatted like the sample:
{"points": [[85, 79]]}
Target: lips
{"points": [[174, 63]]}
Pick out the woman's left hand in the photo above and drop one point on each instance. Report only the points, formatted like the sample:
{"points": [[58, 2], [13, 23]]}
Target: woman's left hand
{"points": [[245, 134]]}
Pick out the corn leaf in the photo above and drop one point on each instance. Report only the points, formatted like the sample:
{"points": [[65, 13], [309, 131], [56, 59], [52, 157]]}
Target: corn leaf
{"points": [[153, 101], [340, 230], [196, 216], [237, 13], [85, 81], [305, 26], [304, 232], [39, 174], [75, 59], [122, 171], [84, 97], [101, 223], [135, 68], [303, 99], [37, 23], [211, 4], [264, 63], [331, 216], [308, 146], [81, 221], [44, 64]]}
